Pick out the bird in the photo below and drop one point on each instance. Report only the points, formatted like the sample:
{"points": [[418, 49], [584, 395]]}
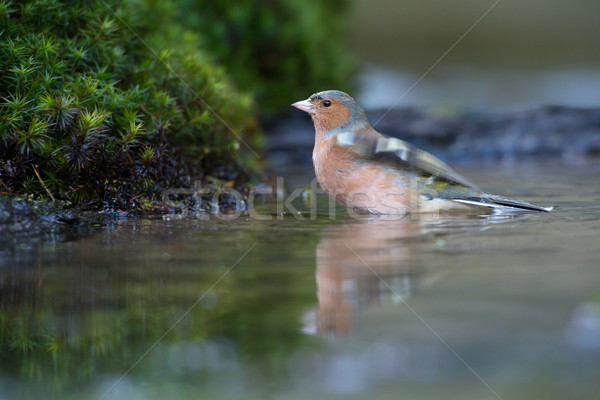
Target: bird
{"points": [[369, 172]]}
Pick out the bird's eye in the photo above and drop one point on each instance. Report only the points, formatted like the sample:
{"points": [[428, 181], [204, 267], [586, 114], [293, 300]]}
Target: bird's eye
{"points": [[327, 103]]}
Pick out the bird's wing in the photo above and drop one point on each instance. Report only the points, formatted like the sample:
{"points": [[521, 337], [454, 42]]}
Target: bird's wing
{"points": [[401, 154], [434, 178]]}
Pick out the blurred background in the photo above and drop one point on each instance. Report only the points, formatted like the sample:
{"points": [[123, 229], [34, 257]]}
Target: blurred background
{"points": [[467, 53], [505, 53]]}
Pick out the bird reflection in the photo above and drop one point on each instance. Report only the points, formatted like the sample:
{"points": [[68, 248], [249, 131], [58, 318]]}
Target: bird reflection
{"points": [[360, 263]]}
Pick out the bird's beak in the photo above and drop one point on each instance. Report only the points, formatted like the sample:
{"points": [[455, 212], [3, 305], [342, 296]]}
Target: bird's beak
{"points": [[304, 105]]}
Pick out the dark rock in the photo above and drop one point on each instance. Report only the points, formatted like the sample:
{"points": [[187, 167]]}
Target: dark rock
{"points": [[549, 130], [25, 222]]}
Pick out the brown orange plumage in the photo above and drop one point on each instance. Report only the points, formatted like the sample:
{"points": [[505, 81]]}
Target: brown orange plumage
{"points": [[368, 171]]}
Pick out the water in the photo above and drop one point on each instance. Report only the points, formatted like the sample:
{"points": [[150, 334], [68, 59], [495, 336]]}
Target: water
{"points": [[465, 307]]}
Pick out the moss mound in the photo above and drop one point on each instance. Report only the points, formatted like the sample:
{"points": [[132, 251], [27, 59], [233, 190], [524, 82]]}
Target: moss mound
{"points": [[99, 105], [106, 102]]}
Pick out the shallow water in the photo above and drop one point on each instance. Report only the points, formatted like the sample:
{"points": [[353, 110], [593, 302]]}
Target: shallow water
{"points": [[502, 306]]}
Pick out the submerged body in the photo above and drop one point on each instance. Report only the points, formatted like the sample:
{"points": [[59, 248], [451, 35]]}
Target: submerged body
{"points": [[370, 172]]}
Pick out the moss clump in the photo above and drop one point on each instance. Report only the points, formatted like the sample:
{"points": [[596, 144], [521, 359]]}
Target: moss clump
{"points": [[98, 105]]}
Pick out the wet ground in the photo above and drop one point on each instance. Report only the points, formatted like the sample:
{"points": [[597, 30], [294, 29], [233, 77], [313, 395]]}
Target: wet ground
{"points": [[289, 305]]}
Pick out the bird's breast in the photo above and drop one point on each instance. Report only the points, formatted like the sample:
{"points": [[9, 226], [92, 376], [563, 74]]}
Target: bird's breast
{"points": [[360, 184]]}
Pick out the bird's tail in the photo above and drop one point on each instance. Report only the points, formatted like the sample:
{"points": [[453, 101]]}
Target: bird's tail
{"points": [[495, 201]]}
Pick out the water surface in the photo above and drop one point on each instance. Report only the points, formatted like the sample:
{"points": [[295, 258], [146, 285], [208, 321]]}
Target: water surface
{"points": [[501, 306]]}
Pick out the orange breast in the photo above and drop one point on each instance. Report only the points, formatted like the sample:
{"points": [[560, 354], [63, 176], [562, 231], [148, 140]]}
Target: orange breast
{"points": [[361, 184]]}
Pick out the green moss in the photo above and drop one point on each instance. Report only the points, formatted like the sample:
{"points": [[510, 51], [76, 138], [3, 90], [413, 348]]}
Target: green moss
{"points": [[102, 102], [106, 106]]}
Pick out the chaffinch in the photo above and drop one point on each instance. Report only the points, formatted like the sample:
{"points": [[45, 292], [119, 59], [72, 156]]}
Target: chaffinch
{"points": [[370, 172]]}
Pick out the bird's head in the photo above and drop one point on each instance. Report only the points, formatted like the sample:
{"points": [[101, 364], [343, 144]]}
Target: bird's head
{"points": [[333, 112]]}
